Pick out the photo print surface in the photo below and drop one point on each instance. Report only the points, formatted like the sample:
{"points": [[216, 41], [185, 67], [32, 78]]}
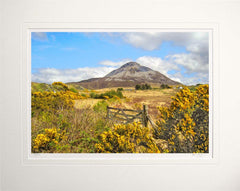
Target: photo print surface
{"points": [[120, 92]]}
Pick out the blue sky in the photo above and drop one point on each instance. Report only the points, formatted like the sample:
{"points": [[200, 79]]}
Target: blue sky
{"points": [[74, 56]]}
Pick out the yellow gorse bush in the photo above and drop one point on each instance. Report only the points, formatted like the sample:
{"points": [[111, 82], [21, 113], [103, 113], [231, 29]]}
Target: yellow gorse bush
{"points": [[44, 101], [52, 101], [48, 140], [185, 123], [61, 85], [130, 138], [58, 127], [202, 96], [41, 141]]}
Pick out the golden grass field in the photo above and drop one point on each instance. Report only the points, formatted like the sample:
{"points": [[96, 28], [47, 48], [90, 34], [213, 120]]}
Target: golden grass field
{"points": [[77, 121], [134, 99], [86, 102]]}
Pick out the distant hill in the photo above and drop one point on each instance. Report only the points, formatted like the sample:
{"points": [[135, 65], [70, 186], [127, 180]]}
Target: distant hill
{"points": [[41, 87], [130, 74]]}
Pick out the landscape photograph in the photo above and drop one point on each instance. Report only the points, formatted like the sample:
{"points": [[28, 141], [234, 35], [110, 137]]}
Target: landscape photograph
{"points": [[120, 92]]}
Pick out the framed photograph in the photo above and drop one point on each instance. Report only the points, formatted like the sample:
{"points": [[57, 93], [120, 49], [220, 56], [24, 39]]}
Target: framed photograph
{"points": [[119, 99], [156, 98]]}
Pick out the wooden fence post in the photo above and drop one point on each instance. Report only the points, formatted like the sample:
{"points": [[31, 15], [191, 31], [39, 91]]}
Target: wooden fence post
{"points": [[108, 113], [145, 114]]}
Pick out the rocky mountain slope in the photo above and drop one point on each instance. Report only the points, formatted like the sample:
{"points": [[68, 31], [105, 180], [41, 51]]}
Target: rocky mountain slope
{"points": [[130, 74]]}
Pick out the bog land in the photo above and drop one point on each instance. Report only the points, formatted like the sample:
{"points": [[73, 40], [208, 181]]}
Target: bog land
{"points": [[73, 119]]}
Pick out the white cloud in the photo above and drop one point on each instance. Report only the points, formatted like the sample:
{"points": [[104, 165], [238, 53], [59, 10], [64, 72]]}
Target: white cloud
{"points": [[193, 80], [193, 72], [195, 60], [41, 36], [156, 63], [187, 69], [190, 67], [192, 41], [191, 62], [146, 41], [49, 75], [153, 40]]}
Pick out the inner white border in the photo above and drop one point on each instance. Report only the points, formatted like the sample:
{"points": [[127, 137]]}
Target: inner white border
{"points": [[106, 159]]}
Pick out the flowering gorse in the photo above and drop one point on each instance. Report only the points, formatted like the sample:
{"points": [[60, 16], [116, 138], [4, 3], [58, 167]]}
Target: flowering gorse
{"points": [[185, 123], [130, 138], [60, 86], [48, 140], [53, 101]]}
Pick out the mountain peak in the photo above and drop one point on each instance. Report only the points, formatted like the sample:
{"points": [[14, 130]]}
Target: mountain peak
{"points": [[128, 75], [128, 70], [130, 64]]}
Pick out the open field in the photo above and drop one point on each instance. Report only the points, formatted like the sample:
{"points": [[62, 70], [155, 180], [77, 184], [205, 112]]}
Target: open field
{"points": [[134, 99], [86, 102], [152, 98], [69, 120]]}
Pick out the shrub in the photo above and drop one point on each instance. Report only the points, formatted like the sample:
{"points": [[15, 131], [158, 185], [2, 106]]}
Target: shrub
{"points": [[120, 89], [73, 90], [60, 86], [137, 87], [107, 95], [41, 87], [92, 95], [185, 123], [143, 87], [81, 127], [130, 138], [84, 95], [50, 101], [48, 140], [101, 106], [147, 86], [165, 86]]}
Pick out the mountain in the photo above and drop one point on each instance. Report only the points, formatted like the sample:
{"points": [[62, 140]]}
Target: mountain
{"points": [[128, 75]]}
